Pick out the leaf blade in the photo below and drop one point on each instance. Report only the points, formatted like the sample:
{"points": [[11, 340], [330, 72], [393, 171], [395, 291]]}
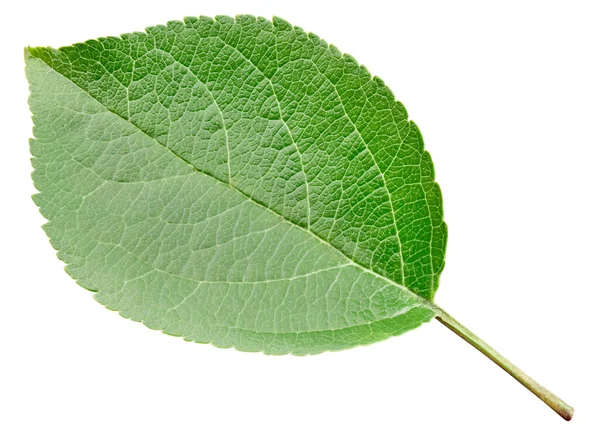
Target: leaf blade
{"points": [[395, 305]]}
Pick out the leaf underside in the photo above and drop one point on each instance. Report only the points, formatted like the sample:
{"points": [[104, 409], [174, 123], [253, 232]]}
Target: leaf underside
{"points": [[236, 182]]}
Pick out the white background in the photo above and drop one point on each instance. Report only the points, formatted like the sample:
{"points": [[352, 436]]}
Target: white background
{"points": [[507, 97]]}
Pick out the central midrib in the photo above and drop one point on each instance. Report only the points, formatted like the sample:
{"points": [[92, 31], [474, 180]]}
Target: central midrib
{"points": [[425, 302]]}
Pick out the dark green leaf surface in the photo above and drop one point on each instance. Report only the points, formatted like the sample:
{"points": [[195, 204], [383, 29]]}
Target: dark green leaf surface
{"points": [[238, 182]]}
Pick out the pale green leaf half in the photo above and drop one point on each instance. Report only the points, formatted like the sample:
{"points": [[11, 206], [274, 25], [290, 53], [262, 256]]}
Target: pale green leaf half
{"points": [[238, 182]]}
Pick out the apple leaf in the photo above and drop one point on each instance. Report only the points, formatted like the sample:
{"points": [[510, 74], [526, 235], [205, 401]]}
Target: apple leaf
{"points": [[242, 183]]}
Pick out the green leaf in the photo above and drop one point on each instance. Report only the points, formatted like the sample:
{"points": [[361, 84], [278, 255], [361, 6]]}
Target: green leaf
{"points": [[242, 183], [238, 182]]}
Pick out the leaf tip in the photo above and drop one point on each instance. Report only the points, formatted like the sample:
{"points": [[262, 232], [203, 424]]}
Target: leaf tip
{"points": [[28, 51]]}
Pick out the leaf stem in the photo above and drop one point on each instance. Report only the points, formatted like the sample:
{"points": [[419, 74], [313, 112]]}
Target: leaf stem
{"points": [[553, 401]]}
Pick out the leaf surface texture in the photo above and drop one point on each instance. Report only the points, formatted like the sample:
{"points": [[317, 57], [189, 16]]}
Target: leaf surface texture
{"points": [[238, 182]]}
